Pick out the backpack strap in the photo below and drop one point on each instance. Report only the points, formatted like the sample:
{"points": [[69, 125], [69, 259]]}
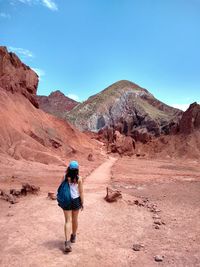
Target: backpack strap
{"points": [[65, 179]]}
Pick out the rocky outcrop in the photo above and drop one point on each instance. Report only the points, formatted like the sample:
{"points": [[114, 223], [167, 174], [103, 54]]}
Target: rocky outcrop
{"points": [[117, 142], [127, 108], [15, 193], [56, 104], [183, 140], [16, 77], [190, 120]]}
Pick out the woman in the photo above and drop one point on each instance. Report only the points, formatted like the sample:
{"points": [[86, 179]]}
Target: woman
{"points": [[71, 214]]}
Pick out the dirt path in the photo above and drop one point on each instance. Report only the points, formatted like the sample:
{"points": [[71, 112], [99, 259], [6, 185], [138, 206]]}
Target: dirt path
{"points": [[32, 231]]}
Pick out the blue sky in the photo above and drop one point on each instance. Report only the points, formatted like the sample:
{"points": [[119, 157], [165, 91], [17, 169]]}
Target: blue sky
{"points": [[82, 46]]}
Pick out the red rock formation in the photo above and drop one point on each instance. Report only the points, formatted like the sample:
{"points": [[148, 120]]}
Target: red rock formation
{"points": [[16, 77], [190, 120], [28, 133], [124, 144], [56, 103], [117, 142]]}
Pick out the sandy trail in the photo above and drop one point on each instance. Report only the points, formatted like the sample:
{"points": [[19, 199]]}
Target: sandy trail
{"points": [[32, 231]]}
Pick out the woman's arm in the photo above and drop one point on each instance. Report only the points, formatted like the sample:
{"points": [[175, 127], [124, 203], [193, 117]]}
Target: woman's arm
{"points": [[80, 188]]}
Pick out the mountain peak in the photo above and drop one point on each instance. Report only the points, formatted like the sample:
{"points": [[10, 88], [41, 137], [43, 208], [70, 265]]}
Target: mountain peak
{"points": [[123, 83], [123, 101], [56, 93], [56, 103]]}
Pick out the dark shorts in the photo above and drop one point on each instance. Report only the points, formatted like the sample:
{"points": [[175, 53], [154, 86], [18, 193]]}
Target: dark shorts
{"points": [[75, 204]]}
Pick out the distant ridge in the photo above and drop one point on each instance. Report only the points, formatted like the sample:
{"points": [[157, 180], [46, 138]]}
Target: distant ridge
{"points": [[56, 103]]}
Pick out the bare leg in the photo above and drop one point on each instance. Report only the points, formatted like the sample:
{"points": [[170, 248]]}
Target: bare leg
{"points": [[68, 223], [74, 221]]}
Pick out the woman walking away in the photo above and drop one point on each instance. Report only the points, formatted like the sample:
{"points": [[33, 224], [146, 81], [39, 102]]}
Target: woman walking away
{"points": [[74, 186]]}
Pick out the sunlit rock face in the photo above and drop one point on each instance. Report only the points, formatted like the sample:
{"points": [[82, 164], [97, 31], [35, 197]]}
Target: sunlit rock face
{"points": [[16, 77], [190, 120]]}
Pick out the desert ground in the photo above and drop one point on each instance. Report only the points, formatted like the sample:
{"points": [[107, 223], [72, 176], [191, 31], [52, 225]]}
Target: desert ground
{"points": [[158, 214]]}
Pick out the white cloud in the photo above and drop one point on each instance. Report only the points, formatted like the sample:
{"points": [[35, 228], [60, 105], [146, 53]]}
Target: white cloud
{"points": [[73, 96], [50, 4], [181, 106], [39, 72], [21, 51], [5, 15]]}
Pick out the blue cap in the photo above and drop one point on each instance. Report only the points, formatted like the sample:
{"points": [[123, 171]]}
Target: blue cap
{"points": [[73, 165]]}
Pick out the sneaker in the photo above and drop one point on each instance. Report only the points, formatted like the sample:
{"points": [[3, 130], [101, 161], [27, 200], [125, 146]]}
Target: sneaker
{"points": [[68, 247], [73, 238]]}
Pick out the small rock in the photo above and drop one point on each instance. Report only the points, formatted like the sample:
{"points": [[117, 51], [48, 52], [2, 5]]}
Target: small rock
{"points": [[10, 214], [158, 222], [156, 216], [137, 247], [51, 195], [157, 227], [145, 200], [90, 157], [157, 210], [153, 210], [15, 192], [159, 258], [139, 203], [11, 199]]}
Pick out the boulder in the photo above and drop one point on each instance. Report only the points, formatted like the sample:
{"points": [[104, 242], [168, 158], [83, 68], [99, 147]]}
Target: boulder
{"points": [[124, 145], [112, 195], [90, 157]]}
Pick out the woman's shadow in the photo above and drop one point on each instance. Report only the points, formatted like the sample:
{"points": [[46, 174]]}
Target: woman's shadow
{"points": [[54, 244]]}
